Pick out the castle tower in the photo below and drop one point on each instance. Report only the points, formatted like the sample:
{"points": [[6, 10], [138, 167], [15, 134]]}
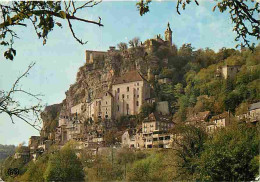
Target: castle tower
{"points": [[168, 34], [150, 75]]}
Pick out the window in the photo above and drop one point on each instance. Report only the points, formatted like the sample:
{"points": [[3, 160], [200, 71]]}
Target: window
{"points": [[167, 137], [127, 96], [127, 89], [137, 88], [137, 96], [137, 103], [123, 96], [137, 84], [117, 107], [118, 90], [106, 94], [127, 108], [106, 102]]}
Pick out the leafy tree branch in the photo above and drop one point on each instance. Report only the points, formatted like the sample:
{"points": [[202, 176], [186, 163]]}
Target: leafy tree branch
{"points": [[43, 15], [242, 13]]}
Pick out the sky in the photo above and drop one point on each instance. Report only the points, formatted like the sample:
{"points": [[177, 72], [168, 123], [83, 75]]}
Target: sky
{"points": [[58, 61]]}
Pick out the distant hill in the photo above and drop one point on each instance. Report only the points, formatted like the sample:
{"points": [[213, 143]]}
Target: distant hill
{"points": [[5, 151]]}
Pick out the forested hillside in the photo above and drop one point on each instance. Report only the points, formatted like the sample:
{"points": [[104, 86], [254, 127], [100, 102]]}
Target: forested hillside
{"points": [[5, 151], [196, 85]]}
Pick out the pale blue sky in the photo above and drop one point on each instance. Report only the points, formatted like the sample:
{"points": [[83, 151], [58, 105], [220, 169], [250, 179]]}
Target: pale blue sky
{"points": [[58, 61]]}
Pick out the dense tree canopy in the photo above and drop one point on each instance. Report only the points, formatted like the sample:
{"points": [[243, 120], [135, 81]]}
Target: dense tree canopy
{"points": [[229, 155]]}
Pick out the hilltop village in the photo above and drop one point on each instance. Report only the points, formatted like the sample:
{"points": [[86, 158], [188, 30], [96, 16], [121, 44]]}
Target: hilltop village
{"points": [[115, 102]]}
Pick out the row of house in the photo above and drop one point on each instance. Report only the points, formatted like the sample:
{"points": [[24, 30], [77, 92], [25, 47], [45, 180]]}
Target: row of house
{"points": [[153, 133], [155, 129], [126, 97]]}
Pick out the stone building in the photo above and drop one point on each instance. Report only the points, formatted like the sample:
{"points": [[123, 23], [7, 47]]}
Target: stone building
{"points": [[254, 112], [168, 34], [150, 44], [162, 108], [74, 130], [92, 56], [129, 93], [33, 143], [228, 71], [154, 127], [222, 120], [252, 115], [77, 109], [104, 104], [139, 140], [128, 139], [23, 152]]}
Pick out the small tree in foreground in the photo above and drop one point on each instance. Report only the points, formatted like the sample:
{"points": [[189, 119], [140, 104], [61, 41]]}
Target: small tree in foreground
{"points": [[64, 166]]}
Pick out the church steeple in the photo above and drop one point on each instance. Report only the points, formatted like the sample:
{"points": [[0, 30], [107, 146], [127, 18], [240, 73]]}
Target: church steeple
{"points": [[168, 34]]}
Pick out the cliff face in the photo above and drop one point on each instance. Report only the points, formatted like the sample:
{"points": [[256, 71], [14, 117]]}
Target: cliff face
{"points": [[97, 76], [50, 117]]}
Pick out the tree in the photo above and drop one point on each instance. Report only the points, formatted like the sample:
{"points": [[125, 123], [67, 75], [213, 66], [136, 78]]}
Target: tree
{"points": [[64, 166], [135, 42], [122, 46], [230, 155], [125, 156], [147, 109], [110, 137], [35, 170], [14, 109], [188, 143], [43, 15], [242, 14], [152, 168]]}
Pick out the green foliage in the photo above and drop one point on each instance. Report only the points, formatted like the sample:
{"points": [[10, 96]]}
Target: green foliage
{"points": [[223, 94], [230, 155], [146, 109], [43, 16], [11, 162], [111, 138], [242, 14], [64, 166], [148, 169], [189, 146], [6, 151], [35, 170]]}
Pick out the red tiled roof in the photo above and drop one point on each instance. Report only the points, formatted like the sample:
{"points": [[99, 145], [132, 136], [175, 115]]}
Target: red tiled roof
{"points": [[131, 76]]}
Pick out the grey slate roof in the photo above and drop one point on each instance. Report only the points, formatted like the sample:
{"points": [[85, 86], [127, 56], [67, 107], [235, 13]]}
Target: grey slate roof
{"points": [[254, 106]]}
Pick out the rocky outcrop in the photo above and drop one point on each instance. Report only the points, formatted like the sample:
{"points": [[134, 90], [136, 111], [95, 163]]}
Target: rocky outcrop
{"points": [[50, 118]]}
